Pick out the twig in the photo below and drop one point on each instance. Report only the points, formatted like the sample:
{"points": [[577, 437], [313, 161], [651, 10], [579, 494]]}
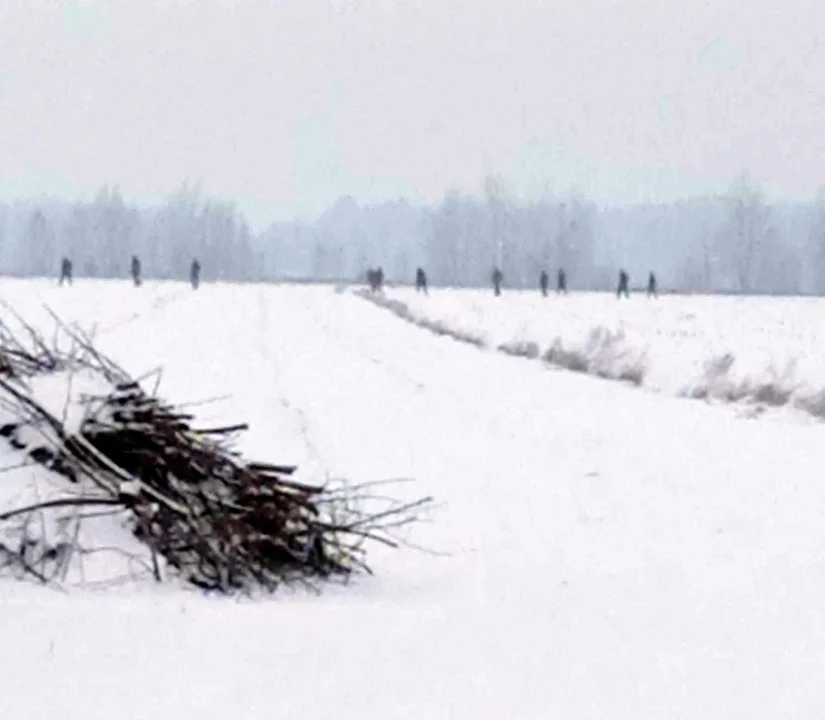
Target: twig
{"points": [[62, 502]]}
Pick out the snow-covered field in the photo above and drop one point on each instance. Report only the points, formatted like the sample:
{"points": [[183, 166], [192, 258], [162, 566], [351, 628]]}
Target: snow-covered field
{"points": [[753, 349], [597, 552]]}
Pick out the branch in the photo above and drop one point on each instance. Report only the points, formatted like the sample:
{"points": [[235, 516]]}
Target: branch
{"points": [[62, 502]]}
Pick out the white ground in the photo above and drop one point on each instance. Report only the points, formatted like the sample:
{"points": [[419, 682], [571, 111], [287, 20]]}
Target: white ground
{"points": [[677, 342], [600, 551]]}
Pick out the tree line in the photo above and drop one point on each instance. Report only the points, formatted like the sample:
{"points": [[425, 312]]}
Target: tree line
{"points": [[102, 236], [738, 241]]}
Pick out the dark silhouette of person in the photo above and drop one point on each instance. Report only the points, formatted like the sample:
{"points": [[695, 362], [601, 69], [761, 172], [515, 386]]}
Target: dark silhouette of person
{"points": [[652, 290], [561, 282], [544, 282], [375, 278], [624, 285], [421, 281], [136, 270], [195, 274], [66, 271], [497, 278]]}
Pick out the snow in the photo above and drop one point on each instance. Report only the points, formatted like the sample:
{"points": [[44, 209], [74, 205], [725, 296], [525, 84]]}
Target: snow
{"points": [[597, 551], [724, 348], [66, 394]]}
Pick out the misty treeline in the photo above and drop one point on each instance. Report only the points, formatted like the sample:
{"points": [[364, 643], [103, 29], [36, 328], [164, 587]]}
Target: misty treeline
{"points": [[735, 242], [101, 236]]}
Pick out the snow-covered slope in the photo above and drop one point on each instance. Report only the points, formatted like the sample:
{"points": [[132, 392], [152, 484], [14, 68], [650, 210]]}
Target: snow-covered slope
{"points": [[598, 551]]}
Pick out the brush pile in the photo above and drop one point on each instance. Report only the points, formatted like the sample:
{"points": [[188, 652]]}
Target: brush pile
{"points": [[198, 509]]}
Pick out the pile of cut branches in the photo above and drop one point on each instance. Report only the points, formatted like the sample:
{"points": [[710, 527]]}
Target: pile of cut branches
{"points": [[202, 511]]}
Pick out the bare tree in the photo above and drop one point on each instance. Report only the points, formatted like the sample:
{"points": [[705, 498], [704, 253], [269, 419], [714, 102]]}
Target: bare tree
{"points": [[816, 244], [38, 247], [747, 237]]}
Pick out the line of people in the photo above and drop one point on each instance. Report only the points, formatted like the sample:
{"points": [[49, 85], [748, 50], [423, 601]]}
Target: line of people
{"points": [[66, 272], [544, 282], [623, 289], [561, 282], [375, 279], [624, 285]]}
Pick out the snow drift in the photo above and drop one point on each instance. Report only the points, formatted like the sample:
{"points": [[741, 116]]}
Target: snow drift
{"points": [[762, 351]]}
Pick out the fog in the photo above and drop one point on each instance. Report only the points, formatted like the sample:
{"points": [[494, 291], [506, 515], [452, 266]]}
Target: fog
{"points": [[733, 242], [327, 135]]}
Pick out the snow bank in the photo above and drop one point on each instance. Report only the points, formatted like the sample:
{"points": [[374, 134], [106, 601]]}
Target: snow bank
{"points": [[88, 546], [757, 350]]}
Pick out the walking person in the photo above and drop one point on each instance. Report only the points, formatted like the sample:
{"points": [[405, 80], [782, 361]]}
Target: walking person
{"points": [[497, 278], [652, 290], [66, 271], [624, 285], [136, 271], [544, 282], [195, 274], [561, 282], [421, 281]]}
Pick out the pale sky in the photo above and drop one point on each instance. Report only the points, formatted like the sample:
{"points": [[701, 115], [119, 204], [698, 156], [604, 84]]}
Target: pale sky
{"points": [[283, 106]]}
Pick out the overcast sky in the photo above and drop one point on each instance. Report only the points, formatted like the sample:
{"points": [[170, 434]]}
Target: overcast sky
{"points": [[286, 105]]}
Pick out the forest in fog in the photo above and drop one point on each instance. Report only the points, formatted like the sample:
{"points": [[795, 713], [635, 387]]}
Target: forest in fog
{"points": [[736, 242]]}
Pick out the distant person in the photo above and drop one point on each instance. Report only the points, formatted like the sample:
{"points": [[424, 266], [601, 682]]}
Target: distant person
{"points": [[651, 286], [421, 281], [195, 274], [544, 282], [66, 271], [624, 285], [561, 282], [136, 271], [375, 278], [497, 279]]}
